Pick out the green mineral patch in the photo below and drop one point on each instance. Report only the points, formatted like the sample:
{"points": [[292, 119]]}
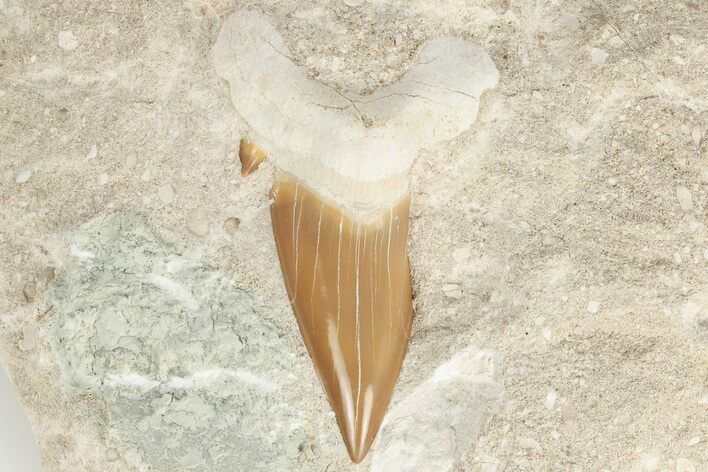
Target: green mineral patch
{"points": [[192, 375]]}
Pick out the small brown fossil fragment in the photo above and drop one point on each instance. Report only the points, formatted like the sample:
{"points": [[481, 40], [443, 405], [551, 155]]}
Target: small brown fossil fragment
{"points": [[251, 156], [349, 284], [231, 224]]}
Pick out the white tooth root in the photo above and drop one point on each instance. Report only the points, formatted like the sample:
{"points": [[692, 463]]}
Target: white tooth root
{"points": [[355, 148]]}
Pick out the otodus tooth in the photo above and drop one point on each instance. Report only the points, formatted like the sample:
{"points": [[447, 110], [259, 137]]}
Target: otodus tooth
{"points": [[251, 156], [349, 284], [341, 199]]}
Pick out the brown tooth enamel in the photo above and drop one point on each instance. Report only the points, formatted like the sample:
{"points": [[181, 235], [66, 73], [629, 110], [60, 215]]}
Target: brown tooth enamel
{"points": [[251, 156], [349, 284]]}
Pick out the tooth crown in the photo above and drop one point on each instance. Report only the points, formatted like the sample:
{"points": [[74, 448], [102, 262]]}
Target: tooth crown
{"points": [[350, 288]]}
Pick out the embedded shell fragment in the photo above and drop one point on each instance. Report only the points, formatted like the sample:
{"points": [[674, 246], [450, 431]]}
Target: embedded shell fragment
{"points": [[341, 198]]}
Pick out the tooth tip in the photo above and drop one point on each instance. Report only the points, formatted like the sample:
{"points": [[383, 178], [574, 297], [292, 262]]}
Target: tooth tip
{"points": [[358, 446], [357, 455]]}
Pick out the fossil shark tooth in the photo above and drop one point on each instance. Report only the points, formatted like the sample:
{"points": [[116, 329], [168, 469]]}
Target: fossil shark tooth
{"points": [[340, 202], [251, 156]]}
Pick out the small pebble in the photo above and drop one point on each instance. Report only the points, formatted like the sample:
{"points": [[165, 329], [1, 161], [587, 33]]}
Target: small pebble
{"points": [[548, 240], [461, 254], [92, 152], [166, 193], [684, 198], [309, 453], [593, 307], [547, 334], [23, 175], [398, 39], [530, 444], [29, 338], [452, 290], [598, 56], [29, 291], [145, 176], [537, 95], [694, 440], [46, 276], [231, 224], [685, 465], [197, 222], [67, 41], [570, 417], [112, 455], [551, 398], [103, 179]]}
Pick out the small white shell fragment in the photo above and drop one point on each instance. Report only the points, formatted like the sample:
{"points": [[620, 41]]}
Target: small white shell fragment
{"points": [[92, 152], [551, 398], [593, 307], [684, 198], [434, 426], [694, 440], [696, 135], [67, 41], [684, 465], [598, 56], [198, 222], [103, 179], [166, 193], [23, 175]]}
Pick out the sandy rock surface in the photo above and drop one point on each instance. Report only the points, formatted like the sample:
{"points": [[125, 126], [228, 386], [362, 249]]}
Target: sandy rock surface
{"points": [[564, 234]]}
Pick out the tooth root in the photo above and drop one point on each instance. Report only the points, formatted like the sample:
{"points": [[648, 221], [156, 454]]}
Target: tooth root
{"points": [[349, 284], [251, 156]]}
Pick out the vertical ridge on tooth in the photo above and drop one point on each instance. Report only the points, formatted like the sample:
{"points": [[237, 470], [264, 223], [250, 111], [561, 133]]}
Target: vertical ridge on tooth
{"points": [[352, 299]]}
